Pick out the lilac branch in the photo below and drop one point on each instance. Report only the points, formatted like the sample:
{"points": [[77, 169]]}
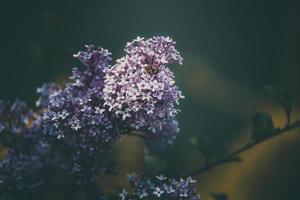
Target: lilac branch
{"points": [[234, 156]]}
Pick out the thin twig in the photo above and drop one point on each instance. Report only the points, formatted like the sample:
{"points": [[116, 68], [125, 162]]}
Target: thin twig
{"points": [[232, 156]]}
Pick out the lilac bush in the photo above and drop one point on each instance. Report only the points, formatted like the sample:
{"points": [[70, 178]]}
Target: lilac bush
{"points": [[75, 124]]}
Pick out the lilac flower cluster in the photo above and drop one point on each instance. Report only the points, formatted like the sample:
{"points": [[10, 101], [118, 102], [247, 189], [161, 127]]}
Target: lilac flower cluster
{"points": [[160, 187], [77, 106], [75, 112], [22, 162], [141, 90], [103, 102]]}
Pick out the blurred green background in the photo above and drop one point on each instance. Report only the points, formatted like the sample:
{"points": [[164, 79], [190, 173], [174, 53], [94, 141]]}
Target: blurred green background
{"points": [[231, 49]]}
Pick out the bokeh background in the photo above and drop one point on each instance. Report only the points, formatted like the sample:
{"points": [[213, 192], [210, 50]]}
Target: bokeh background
{"points": [[231, 49]]}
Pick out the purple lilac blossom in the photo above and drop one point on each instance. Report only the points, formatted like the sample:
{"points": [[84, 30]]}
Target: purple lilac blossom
{"points": [[140, 88], [76, 116], [22, 161], [160, 187]]}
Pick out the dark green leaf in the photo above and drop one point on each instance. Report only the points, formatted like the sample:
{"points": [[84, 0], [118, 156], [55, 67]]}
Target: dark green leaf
{"points": [[201, 146], [219, 196], [194, 141], [262, 126], [155, 162]]}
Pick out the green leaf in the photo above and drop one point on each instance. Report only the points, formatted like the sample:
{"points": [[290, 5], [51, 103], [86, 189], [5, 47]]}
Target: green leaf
{"points": [[202, 146], [194, 141], [262, 126], [219, 196], [281, 95], [154, 162]]}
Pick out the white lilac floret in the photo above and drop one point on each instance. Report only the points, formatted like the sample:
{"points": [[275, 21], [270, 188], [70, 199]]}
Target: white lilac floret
{"points": [[141, 90]]}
